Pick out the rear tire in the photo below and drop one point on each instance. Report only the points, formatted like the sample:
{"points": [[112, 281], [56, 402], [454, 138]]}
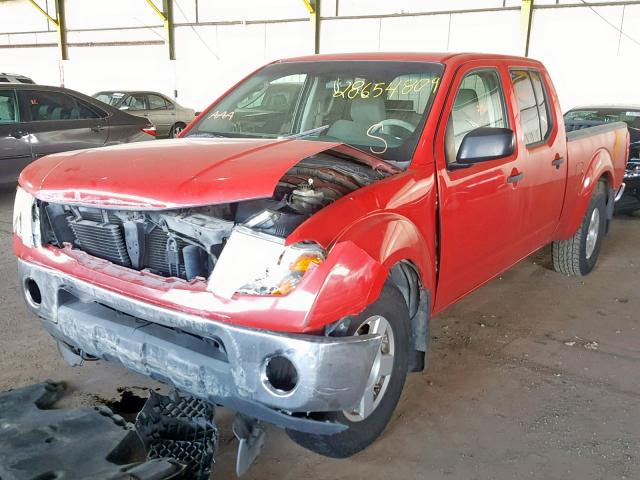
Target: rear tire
{"points": [[578, 255], [176, 129], [364, 430]]}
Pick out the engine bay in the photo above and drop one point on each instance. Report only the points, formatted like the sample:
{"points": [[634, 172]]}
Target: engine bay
{"points": [[186, 243]]}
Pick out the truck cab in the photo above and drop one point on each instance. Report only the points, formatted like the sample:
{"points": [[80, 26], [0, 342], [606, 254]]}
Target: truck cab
{"points": [[305, 242]]}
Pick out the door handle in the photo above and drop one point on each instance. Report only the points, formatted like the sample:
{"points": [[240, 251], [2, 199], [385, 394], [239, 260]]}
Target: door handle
{"points": [[557, 162], [18, 135], [97, 128], [515, 178]]}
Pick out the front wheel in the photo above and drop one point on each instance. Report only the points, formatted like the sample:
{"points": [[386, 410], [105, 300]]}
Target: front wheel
{"points": [[578, 255], [389, 317]]}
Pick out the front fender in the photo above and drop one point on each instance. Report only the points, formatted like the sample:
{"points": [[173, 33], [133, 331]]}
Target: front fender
{"points": [[360, 262]]}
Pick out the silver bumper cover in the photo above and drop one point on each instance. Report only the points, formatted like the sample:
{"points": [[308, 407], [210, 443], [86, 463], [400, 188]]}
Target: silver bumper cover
{"points": [[219, 362]]}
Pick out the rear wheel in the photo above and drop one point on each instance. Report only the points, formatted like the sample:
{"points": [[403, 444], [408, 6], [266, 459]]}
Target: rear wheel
{"points": [[176, 130], [389, 317], [578, 255]]}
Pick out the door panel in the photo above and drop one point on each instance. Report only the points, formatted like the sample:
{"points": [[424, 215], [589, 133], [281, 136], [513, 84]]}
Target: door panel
{"points": [[15, 148], [543, 153], [480, 208], [60, 122], [159, 113]]}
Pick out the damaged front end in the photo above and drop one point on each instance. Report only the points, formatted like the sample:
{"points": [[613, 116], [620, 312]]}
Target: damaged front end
{"points": [[218, 255], [188, 243]]}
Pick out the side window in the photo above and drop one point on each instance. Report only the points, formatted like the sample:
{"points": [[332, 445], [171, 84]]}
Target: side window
{"points": [[543, 104], [135, 101], [86, 111], [49, 105], [156, 102], [8, 107], [533, 104], [478, 103]]}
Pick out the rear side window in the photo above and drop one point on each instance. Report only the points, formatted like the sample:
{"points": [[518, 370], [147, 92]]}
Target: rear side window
{"points": [[479, 102], [47, 106], [156, 102], [8, 107], [135, 101], [533, 104]]}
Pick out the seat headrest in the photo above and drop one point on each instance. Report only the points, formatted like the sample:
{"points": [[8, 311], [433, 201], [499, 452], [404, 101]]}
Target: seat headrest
{"points": [[467, 97], [369, 111]]}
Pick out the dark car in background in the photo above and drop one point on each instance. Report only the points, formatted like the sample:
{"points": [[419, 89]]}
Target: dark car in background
{"points": [[14, 78], [589, 116], [169, 117], [38, 120]]}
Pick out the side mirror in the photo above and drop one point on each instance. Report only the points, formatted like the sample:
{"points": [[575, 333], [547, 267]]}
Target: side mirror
{"points": [[486, 143], [124, 107]]}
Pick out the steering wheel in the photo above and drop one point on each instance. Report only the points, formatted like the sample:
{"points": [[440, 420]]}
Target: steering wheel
{"points": [[395, 122]]}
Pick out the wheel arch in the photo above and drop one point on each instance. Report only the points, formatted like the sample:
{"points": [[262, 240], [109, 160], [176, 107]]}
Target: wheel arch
{"points": [[600, 168]]}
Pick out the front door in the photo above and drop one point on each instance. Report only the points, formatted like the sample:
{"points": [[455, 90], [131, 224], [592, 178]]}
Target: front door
{"points": [[15, 148], [480, 205]]}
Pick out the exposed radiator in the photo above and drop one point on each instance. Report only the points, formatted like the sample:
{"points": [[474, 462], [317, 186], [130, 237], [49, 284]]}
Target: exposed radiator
{"points": [[162, 253], [101, 240]]}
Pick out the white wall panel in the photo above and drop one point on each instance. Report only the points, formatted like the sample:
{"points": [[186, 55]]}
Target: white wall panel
{"points": [[350, 35], [41, 63], [111, 13], [382, 7], [493, 32], [415, 34], [589, 60], [21, 16], [585, 67], [217, 11]]}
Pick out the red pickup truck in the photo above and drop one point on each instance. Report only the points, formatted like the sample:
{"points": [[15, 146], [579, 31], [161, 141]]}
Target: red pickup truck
{"points": [[284, 257]]}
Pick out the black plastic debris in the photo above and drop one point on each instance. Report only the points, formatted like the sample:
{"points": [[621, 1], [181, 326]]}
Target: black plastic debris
{"points": [[176, 438], [180, 428]]}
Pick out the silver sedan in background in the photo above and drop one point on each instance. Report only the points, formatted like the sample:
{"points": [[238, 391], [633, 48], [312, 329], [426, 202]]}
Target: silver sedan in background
{"points": [[168, 116]]}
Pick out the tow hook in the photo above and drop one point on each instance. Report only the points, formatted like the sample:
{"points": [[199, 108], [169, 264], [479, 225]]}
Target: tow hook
{"points": [[250, 433]]}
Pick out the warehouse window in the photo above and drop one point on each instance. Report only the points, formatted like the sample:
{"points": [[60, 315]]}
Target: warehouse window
{"points": [[533, 105], [478, 103], [8, 107]]}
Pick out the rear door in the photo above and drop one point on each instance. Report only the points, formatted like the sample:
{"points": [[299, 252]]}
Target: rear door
{"points": [[481, 205], [161, 113], [543, 150], [61, 122], [15, 148]]}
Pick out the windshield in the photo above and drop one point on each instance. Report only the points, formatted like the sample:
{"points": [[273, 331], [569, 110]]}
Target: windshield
{"points": [[377, 106], [110, 98]]}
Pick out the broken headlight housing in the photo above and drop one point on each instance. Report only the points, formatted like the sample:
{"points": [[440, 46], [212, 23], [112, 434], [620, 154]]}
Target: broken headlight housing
{"points": [[254, 263], [23, 221], [281, 277]]}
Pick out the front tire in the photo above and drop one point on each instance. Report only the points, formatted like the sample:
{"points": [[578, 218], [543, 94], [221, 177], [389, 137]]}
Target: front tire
{"points": [[578, 255], [388, 316]]}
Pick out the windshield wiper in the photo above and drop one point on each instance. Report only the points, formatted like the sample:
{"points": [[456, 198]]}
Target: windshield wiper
{"points": [[206, 135], [306, 133]]}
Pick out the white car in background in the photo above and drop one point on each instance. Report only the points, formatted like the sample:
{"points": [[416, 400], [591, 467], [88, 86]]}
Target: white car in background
{"points": [[169, 117]]}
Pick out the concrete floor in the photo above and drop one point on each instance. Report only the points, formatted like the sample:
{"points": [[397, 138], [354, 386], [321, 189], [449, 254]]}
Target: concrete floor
{"points": [[533, 376]]}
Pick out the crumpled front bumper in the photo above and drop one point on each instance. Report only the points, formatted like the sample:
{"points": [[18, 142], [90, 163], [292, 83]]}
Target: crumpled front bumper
{"points": [[218, 362]]}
